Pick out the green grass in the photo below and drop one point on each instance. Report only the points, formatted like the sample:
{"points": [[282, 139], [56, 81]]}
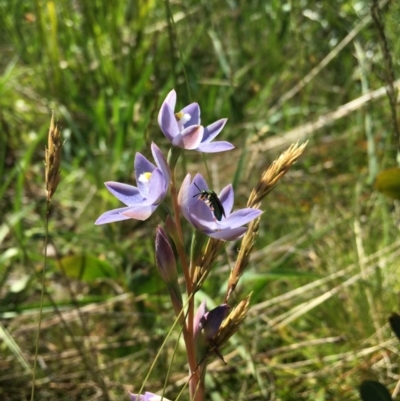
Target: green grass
{"points": [[325, 271]]}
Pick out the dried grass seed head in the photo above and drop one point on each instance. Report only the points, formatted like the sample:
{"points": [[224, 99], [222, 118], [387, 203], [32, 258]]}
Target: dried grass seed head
{"points": [[53, 158]]}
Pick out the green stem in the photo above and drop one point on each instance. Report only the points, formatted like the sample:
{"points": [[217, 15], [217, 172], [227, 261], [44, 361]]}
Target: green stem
{"points": [[41, 300]]}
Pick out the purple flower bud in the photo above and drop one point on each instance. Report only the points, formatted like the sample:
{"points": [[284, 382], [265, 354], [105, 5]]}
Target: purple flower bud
{"points": [[206, 324], [165, 258], [211, 321]]}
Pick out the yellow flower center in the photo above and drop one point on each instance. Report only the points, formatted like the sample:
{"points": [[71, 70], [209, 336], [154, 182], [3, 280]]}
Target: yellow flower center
{"points": [[145, 177], [183, 118]]}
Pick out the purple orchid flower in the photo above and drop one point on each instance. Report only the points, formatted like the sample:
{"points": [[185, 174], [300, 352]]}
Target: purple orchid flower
{"points": [[197, 212], [143, 200], [147, 397], [183, 129]]}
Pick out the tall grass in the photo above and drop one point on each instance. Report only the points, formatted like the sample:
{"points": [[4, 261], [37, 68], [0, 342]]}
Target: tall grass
{"points": [[325, 274]]}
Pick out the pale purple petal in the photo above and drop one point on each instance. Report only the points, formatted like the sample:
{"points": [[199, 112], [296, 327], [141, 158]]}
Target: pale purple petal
{"points": [[214, 147], [183, 197], [156, 187], [193, 110], [142, 166], [167, 122], [141, 212], [112, 215], [200, 182], [147, 397], [127, 194], [240, 217], [189, 138], [226, 197], [211, 321], [212, 130], [161, 162], [197, 317], [229, 234], [201, 216], [171, 99], [136, 397]]}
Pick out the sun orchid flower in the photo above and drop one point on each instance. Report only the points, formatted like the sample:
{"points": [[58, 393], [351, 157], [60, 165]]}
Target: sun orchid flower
{"points": [[147, 397], [143, 200], [183, 128], [197, 212]]}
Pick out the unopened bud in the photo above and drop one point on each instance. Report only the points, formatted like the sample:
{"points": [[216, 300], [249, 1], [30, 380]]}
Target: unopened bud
{"points": [[211, 321], [165, 258]]}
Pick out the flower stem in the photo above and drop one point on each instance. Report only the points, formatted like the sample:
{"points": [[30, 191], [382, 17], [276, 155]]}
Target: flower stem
{"points": [[195, 386]]}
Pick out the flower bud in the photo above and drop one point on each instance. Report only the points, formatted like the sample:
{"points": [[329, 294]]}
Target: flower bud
{"points": [[206, 326], [165, 258], [211, 321]]}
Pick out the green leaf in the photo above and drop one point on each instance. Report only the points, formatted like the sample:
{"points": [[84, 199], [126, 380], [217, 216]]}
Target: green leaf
{"points": [[86, 267], [374, 391], [388, 182]]}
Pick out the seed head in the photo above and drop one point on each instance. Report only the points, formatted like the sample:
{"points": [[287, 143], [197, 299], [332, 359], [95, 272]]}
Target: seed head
{"points": [[266, 184], [53, 158]]}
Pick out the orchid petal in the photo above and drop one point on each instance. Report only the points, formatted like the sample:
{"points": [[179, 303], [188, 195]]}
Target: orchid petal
{"points": [[212, 130], [141, 212], [147, 397], [127, 194], [228, 235], [167, 122], [183, 197], [189, 138], [215, 147], [111, 216], [171, 99], [226, 197], [142, 166], [198, 183], [211, 321], [241, 217], [201, 216], [161, 162], [193, 110], [197, 318], [156, 186]]}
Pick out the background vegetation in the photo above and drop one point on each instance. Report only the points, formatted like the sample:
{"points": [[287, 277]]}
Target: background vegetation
{"points": [[325, 275]]}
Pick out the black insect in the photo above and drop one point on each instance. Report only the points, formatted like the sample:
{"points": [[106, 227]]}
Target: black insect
{"points": [[212, 200]]}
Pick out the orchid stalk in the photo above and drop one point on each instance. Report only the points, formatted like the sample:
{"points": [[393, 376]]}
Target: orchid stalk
{"points": [[204, 332]]}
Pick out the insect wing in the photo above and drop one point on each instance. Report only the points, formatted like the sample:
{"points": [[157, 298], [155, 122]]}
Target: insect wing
{"points": [[216, 204]]}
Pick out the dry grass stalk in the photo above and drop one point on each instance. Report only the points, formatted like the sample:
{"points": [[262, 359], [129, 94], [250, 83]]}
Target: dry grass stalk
{"points": [[212, 251], [53, 158], [266, 184]]}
